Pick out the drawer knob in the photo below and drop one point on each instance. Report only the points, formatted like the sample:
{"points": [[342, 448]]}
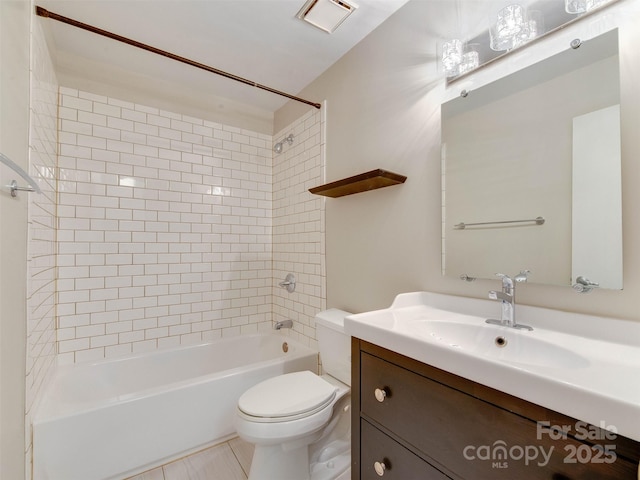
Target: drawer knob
{"points": [[380, 468], [381, 394]]}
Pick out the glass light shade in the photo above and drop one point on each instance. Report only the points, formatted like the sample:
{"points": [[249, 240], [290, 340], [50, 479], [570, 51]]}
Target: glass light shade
{"points": [[582, 6], [451, 56], [533, 28], [510, 30], [470, 60], [499, 43], [516, 26], [511, 21], [535, 23]]}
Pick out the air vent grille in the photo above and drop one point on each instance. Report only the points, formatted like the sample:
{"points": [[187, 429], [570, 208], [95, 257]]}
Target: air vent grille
{"points": [[326, 15]]}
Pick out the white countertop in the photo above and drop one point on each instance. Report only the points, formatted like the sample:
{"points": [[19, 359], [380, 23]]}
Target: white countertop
{"points": [[582, 366]]}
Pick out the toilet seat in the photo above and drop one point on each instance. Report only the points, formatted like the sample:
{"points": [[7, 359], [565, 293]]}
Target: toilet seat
{"points": [[286, 397]]}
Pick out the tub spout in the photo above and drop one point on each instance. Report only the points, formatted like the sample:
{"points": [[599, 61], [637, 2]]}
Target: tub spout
{"points": [[284, 324]]}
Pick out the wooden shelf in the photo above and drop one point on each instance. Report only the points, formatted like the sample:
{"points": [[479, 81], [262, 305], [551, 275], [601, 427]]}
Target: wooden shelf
{"points": [[359, 183]]}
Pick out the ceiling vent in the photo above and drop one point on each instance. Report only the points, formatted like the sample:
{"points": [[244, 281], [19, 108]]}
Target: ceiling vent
{"points": [[326, 15]]}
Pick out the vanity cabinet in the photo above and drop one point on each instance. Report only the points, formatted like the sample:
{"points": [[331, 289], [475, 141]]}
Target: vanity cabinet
{"points": [[414, 421]]}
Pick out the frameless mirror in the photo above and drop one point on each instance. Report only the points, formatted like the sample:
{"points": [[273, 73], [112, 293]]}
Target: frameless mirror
{"points": [[531, 172]]}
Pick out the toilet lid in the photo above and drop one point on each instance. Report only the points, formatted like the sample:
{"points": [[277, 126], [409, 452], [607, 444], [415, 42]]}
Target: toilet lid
{"points": [[287, 395]]}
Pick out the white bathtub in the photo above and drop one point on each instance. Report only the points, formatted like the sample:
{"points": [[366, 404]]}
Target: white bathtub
{"points": [[116, 418]]}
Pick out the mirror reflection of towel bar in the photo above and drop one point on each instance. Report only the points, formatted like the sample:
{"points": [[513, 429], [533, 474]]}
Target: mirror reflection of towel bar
{"points": [[462, 225]]}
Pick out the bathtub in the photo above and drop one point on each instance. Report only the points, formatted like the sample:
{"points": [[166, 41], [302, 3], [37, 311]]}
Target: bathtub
{"points": [[115, 418]]}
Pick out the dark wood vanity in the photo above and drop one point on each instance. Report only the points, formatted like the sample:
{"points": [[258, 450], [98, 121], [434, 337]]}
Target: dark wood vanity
{"points": [[414, 421]]}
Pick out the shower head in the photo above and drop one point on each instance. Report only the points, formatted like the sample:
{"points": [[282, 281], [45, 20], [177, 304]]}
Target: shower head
{"points": [[278, 146], [288, 139]]}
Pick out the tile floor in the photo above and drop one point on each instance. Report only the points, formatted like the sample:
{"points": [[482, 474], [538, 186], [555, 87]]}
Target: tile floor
{"points": [[226, 461]]}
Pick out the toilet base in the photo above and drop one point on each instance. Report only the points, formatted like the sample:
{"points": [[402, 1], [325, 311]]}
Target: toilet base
{"points": [[337, 467], [273, 462], [324, 453]]}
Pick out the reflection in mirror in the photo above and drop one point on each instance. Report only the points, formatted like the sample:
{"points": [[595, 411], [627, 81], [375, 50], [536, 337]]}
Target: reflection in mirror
{"points": [[542, 142]]}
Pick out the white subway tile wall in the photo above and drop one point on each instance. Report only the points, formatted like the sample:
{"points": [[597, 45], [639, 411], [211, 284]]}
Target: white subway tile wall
{"points": [[169, 234], [298, 225], [164, 229], [41, 273]]}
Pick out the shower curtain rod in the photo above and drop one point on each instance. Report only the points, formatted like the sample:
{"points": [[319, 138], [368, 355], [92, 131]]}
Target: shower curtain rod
{"points": [[42, 12]]}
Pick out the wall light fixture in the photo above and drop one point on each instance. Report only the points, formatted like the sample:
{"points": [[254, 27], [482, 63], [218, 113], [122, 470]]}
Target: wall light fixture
{"points": [[514, 27]]}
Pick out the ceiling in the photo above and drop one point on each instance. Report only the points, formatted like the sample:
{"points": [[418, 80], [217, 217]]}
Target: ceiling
{"points": [[260, 40]]}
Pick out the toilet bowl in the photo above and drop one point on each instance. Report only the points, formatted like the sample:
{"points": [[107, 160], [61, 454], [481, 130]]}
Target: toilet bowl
{"points": [[300, 422]]}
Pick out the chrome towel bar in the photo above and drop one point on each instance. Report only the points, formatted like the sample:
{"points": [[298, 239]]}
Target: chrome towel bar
{"points": [[462, 225], [13, 186]]}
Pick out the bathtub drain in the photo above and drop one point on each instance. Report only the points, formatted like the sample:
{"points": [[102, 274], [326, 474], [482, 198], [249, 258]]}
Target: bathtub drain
{"points": [[285, 347]]}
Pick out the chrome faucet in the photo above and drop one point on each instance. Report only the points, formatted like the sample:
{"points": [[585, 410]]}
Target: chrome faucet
{"points": [[507, 299]]}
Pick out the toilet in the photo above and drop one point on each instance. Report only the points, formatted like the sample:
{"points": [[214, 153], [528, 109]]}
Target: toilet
{"points": [[300, 422]]}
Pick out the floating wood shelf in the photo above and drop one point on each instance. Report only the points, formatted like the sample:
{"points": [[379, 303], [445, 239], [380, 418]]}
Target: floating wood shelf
{"points": [[359, 183]]}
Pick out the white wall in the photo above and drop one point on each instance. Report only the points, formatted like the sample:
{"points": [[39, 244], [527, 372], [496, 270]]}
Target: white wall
{"points": [[159, 92], [384, 101], [14, 142]]}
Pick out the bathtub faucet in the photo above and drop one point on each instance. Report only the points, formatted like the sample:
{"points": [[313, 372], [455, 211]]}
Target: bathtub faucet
{"points": [[284, 324]]}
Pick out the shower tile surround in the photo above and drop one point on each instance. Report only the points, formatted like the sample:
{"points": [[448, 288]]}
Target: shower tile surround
{"points": [[169, 231], [298, 226], [41, 247]]}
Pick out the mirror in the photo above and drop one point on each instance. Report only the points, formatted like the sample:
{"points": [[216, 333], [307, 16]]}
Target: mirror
{"points": [[531, 172]]}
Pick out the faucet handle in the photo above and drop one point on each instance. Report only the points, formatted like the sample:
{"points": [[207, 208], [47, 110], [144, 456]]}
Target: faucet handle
{"points": [[584, 285], [507, 283], [523, 276], [506, 279]]}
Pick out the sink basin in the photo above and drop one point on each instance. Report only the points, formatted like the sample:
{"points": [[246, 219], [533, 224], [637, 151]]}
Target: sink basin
{"points": [[575, 364], [500, 343]]}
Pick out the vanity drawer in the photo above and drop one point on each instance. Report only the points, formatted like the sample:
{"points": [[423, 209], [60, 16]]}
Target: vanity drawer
{"points": [[400, 463], [456, 429], [439, 420]]}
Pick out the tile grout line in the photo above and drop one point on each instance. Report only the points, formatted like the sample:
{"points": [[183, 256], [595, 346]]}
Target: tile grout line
{"points": [[181, 459], [246, 474]]}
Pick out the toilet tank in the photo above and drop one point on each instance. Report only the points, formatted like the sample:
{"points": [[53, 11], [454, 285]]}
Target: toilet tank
{"points": [[334, 344]]}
